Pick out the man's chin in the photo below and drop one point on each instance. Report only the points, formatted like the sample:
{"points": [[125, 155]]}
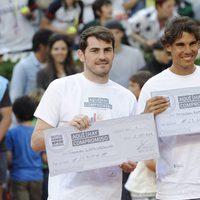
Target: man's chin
{"points": [[103, 73]]}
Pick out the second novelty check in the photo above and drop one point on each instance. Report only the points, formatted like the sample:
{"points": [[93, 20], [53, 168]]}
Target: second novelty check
{"points": [[183, 114], [105, 143]]}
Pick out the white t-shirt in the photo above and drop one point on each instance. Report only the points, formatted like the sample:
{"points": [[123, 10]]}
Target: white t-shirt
{"points": [[64, 18], [142, 181], [118, 7], [16, 31], [145, 23], [178, 174], [73, 95], [88, 14]]}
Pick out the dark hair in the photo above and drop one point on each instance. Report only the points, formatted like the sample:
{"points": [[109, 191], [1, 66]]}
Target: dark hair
{"points": [[24, 108], [97, 5], [99, 32], [116, 24], [50, 70], [160, 2], [141, 77], [175, 28], [40, 37]]}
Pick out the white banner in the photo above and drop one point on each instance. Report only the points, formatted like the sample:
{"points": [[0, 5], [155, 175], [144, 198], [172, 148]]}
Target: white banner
{"points": [[105, 143], [183, 115]]}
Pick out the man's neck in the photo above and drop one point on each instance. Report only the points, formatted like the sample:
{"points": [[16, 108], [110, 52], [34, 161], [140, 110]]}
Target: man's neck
{"points": [[39, 57], [162, 20], [182, 71], [103, 20], [118, 47], [96, 79]]}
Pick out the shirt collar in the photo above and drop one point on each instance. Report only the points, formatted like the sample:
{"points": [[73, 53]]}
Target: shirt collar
{"points": [[35, 60]]}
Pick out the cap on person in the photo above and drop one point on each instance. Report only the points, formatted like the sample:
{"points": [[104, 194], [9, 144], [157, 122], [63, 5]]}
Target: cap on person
{"points": [[114, 24], [158, 46]]}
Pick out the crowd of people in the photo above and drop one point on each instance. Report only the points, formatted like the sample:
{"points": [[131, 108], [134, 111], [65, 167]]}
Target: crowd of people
{"points": [[59, 47]]}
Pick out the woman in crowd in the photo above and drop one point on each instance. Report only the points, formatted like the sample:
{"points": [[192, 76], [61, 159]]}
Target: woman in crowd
{"points": [[63, 17], [59, 61]]}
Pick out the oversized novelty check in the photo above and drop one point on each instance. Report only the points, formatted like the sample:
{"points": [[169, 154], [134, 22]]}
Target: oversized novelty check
{"points": [[183, 115], [105, 143]]}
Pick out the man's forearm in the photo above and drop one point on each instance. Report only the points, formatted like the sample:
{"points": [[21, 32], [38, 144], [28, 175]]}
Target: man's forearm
{"points": [[5, 122], [37, 141]]}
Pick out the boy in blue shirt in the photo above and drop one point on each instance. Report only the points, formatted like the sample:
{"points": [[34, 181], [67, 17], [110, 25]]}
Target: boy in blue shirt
{"points": [[26, 165]]}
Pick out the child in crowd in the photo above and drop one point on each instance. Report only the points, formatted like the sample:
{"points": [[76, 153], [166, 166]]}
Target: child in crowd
{"points": [[36, 95], [25, 164], [142, 181], [137, 81]]}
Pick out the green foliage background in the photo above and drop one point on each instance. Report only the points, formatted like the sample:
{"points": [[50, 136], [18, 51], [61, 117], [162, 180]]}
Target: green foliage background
{"points": [[6, 69]]}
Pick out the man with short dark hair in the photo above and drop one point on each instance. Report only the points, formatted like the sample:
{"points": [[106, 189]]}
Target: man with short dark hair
{"points": [[102, 11], [23, 79], [122, 69], [78, 100], [148, 24], [177, 171]]}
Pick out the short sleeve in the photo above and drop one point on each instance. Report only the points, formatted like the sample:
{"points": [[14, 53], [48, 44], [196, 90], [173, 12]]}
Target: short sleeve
{"points": [[48, 109], [6, 100], [144, 96], [9, 141]]}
